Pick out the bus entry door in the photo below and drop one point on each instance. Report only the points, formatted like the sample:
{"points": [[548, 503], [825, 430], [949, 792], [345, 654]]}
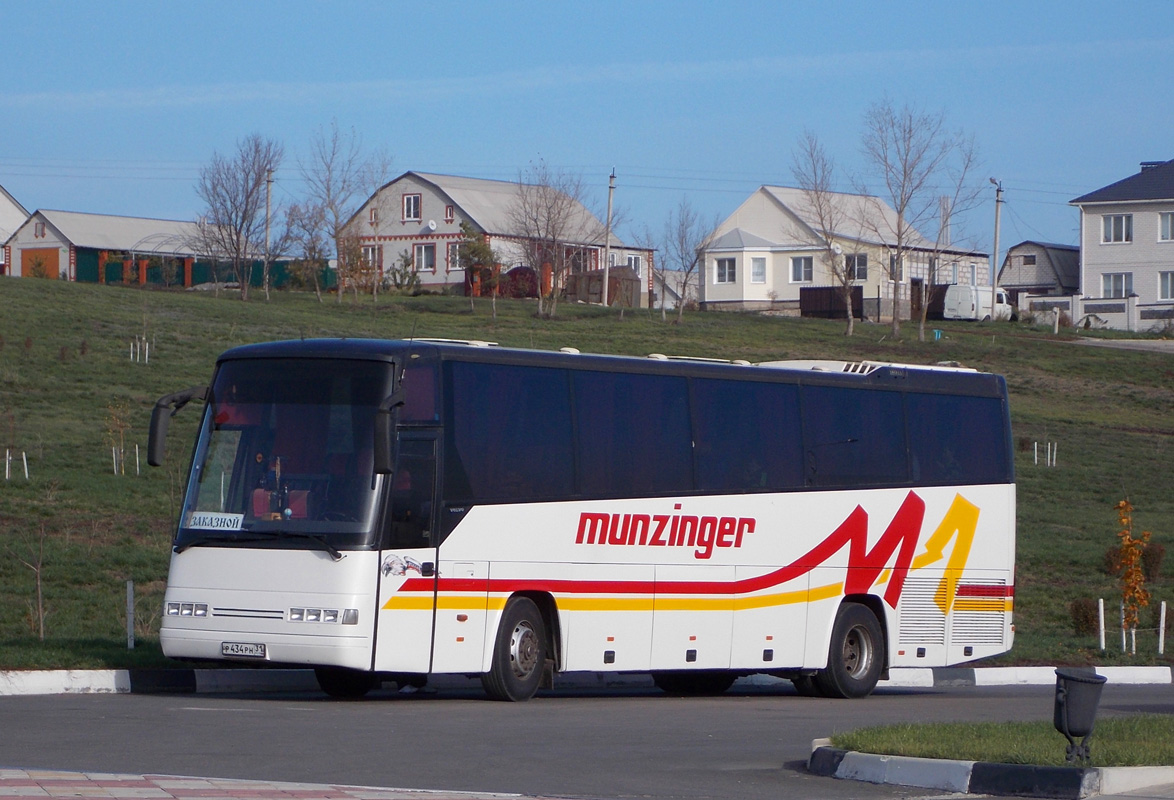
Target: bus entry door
{"points": [[407, 580]]}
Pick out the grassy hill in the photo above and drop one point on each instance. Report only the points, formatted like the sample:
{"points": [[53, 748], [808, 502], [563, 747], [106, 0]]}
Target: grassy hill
{"points": [[69, 388]]}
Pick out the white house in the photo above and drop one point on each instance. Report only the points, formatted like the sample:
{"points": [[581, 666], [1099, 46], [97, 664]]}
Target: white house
{"points": [[421, 213], [1127, 249], [12, 216], [769, 250]]}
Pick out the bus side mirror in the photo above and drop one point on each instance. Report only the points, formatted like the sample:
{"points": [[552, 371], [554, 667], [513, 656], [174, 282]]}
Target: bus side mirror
{"points": [[157, 442], [161, 416], [384, 428]]}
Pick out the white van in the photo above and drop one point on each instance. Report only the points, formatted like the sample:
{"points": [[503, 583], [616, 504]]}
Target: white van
{"points": [[974, 302]]}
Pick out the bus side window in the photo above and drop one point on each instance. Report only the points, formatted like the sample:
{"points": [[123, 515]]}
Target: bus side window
{"points": [[409, 523]]}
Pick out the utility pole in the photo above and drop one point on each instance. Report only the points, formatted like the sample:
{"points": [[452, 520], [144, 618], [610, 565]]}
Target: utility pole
{"points": [[268, 195], [995, 257], [611, 189]]}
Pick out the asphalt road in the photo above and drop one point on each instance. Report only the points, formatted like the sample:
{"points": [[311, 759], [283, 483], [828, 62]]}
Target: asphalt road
{"points": [[625, 743]]}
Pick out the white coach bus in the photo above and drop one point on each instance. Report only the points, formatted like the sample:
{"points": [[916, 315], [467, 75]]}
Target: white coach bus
{"points": [[386, 510]]}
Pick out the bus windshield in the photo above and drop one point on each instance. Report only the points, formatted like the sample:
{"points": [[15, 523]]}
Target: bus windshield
{"points": [[284, 456]]}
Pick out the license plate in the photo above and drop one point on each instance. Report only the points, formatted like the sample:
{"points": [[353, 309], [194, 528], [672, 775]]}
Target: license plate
{"points": [[242, 649]]}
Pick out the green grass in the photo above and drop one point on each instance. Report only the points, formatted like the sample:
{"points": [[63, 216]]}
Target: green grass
{"points": [[64, 364], [1127, 741]]}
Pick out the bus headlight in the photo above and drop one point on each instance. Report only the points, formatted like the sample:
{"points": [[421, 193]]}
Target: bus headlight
{"points": [[186, 609]]}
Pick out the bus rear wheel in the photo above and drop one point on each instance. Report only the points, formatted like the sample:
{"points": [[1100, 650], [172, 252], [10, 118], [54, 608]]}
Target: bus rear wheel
{"points": [[519, 655], [856, 656], [344, 684], [696, 682]]}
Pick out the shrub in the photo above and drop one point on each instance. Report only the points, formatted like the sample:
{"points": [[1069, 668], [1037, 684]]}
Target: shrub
{"points": [[1084, 615], [1151, 560]]}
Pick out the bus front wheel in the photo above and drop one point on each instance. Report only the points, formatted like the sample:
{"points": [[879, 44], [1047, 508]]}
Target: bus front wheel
{"points": [[519, 654], [344, 684], [856, 656]]}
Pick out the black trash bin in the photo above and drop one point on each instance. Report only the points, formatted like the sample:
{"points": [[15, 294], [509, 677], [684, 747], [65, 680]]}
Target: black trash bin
{"points": [[1078, 692]]}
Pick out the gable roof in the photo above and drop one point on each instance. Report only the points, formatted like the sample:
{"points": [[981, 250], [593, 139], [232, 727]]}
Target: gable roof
{"points": [[487, 204], [863, 218], [108, 232], [12, 215], [1155, 181]]}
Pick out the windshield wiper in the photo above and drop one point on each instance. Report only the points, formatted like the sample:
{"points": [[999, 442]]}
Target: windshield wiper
{"points": [[213, 538], [317, 541]]}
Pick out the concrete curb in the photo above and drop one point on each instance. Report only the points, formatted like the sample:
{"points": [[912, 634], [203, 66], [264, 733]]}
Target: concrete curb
{"points": [[978, 777], [209, 681]]}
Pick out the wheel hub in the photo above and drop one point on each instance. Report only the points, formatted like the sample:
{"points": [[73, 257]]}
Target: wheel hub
{"points": [[523, 649]]}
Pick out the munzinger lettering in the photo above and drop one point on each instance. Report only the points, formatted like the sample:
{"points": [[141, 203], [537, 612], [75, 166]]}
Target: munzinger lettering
{"points": [[703, 534]]}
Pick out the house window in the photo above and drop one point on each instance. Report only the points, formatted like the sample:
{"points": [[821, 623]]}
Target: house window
{"points": [[634, 263], [425, 257], [39, 230], [613, 259], [726, 271], [1029, 261], [373, 215], [1166, 285], [412, 208], [450, 213], [1117, 228], [1116, 284], [1166, 226], [856, 266], [758, 270], [974, 274], [896, 269], [954, 272], [372, 256], [802, 268], [454, 256]]}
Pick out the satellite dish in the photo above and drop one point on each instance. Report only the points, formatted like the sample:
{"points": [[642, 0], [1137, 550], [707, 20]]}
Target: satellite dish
{"points": [[837, 249], [431, 224]]}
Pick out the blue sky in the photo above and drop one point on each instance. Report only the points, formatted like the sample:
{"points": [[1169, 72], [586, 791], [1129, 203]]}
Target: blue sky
{"points": [[113, 107]]}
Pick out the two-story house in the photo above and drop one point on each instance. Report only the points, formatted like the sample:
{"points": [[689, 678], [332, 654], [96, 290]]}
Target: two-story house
{"points": [[420, 214], [1127, 248], [765, 254]]}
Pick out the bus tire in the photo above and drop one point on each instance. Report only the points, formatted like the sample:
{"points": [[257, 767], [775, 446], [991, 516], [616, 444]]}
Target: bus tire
{"points": [[519, 654], [694, 682], [856, 656], [344, 684]]}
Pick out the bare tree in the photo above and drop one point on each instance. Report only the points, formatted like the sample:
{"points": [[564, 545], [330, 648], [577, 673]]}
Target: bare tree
{"points": [[549, 217], [308, 245], [339, 177], [814, 170], [685, 237], [233, 191], [914, 156]]}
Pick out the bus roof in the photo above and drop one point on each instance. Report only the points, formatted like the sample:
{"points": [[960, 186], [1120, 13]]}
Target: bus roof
{"points": [[940, 377]]}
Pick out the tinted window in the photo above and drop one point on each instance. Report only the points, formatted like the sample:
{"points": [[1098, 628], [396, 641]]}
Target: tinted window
{"points": [[747, 436], [853, 437], [957, 440], [634, 436], [510, 433]]}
